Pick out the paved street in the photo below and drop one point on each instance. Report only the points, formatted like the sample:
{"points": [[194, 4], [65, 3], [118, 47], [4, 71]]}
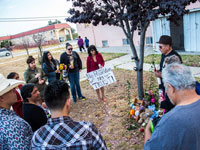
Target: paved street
{"points": [[35, 50]]}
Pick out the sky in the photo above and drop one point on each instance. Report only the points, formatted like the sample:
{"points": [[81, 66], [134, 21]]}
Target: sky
{"points": [[30, 8]]}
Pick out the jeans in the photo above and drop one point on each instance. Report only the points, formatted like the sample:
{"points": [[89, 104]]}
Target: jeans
{"points": [[81, 47], [74, 80]]}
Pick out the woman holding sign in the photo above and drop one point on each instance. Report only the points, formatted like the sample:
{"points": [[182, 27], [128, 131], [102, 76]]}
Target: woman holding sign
{"points": [[95, 61]]}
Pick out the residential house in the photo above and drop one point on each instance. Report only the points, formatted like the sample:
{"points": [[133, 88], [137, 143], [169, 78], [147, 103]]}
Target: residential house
{"points": [[52, 34], [186, 36]]}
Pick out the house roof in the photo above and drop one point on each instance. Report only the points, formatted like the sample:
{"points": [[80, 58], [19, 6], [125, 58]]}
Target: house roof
{"points": [[42, 29], [5, 38]]}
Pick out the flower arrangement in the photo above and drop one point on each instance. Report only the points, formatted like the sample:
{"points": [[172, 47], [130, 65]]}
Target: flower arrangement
{"points": [[63, 67], [152, 97], [63, 73]]}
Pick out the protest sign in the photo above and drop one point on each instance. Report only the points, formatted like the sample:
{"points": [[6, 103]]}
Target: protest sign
{"points": [[101, 77]]}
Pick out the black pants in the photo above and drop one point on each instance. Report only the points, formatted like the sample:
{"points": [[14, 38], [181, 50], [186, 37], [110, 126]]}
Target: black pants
{"points": [[81, 47]]}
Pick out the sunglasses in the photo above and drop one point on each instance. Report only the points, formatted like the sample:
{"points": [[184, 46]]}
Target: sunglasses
{"points": [[70, 49]]}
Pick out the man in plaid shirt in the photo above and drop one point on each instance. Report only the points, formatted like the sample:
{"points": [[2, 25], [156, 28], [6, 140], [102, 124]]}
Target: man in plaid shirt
{"points": [[61, 132]]}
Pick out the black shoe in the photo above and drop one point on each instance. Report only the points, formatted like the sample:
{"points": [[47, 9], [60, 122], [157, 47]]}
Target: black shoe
{"points": [[83, 98]]}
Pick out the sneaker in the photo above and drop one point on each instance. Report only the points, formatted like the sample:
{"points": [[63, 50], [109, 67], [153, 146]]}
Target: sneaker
{"points": [[83, 98]]}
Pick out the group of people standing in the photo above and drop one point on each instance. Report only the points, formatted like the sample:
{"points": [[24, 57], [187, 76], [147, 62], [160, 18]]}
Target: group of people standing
{"points": [[42, 107], [81, 43], [50, 70], [35, 129], [178, 129], [43, 121]]}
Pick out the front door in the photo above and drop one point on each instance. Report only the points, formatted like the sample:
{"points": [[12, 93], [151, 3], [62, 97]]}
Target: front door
{"points": [[177, 34]]}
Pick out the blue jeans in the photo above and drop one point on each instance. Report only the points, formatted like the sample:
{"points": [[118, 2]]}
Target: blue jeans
{"points": [[74, 80]]}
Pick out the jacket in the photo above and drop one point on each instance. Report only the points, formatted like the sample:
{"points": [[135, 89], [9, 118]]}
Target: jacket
{"points": [[91, 65], [64, 58], [29, 77], [51, 75]]}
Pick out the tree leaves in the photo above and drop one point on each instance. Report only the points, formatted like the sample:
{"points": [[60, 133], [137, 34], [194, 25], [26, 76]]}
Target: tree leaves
{"points": [[137, 12]]}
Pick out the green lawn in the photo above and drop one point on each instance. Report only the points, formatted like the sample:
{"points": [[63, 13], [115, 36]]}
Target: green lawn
{"points": [[197, 79], [189, 60]]}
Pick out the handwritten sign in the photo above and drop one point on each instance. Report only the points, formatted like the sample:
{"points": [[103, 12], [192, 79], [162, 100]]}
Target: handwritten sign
{"points": [[101, 77]]}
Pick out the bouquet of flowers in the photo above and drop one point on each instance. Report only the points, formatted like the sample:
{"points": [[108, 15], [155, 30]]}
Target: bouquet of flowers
{"points": [[152, 97], [63, 67]]}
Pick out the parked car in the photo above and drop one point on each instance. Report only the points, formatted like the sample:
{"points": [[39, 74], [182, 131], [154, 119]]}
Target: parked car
{"points": [[4, 52]]}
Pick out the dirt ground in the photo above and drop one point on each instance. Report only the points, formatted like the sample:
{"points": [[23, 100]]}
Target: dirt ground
{"points": [[112, 117]]}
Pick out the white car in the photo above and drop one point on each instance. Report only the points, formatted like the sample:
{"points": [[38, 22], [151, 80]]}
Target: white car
{"points": [[4, 52]]}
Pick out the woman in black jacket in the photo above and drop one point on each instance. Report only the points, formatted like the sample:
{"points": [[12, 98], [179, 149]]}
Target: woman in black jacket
{"points": [[74, 65], [50, 67]]}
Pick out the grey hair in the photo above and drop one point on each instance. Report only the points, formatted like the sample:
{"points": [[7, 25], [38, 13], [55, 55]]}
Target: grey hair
{"points": [[179, 76]]}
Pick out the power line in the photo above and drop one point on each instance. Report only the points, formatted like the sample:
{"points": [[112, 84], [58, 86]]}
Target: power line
{"points": [[24, 19], [36, 17]]}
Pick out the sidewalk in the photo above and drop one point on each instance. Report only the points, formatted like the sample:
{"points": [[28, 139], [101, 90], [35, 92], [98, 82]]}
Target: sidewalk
{"points": [[125, 61], [147, 67]]}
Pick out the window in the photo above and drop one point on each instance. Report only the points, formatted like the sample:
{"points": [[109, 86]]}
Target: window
{"points": [[105, 43], [3, 50], [149, 40], [61, 39], [125, 42]]}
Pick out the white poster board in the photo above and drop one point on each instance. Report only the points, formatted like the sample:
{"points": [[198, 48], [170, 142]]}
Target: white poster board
{"points": [[101, 77]]}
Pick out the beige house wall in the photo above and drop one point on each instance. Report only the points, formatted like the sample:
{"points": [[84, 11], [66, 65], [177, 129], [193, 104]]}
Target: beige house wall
{"points": [[112, 34], [194, 5], [49, 35]]}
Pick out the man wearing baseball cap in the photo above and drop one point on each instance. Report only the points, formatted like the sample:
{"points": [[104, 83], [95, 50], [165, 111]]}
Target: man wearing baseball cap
{"points": [[168, 55], [15, 133]]}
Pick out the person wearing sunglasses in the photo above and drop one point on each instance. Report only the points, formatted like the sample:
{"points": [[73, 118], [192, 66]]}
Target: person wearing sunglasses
{"points": [[74, 65], [165, 46]]}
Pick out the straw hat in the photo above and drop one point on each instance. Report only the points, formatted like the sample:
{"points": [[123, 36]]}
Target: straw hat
{"points": [[8, 84]]}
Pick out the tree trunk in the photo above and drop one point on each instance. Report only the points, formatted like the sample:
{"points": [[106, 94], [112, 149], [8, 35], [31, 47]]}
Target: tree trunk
{"points": [[140, 63], [27, 51], [40, 49], [139, 71]]}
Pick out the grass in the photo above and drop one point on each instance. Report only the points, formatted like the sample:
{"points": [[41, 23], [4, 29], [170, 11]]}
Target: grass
{"points": [[188, 60], [18, 63], [197, 79], [114, 55]]}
